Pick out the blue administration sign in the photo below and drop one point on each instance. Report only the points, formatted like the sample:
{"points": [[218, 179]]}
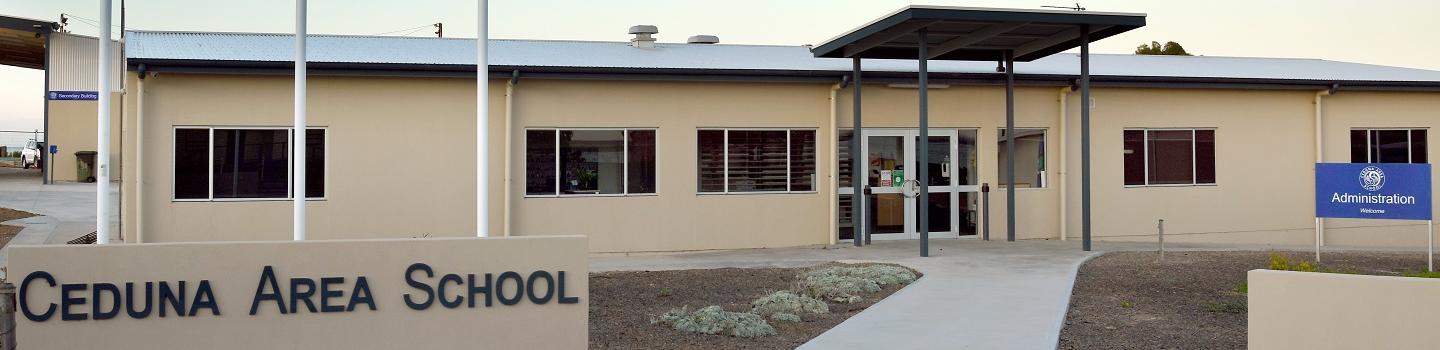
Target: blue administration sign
{"points": [[1373, 191], [73, 96]]}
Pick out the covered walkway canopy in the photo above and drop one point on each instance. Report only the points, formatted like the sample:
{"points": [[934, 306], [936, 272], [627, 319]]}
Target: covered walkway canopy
{"points": [[22, 41], [976, 34]]}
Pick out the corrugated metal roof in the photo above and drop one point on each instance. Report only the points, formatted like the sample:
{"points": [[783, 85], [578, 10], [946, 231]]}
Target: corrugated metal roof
{"points": [[260, 47]]}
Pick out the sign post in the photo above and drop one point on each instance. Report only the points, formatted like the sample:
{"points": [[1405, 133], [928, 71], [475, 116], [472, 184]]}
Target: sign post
{"points": [[1375, 191]]}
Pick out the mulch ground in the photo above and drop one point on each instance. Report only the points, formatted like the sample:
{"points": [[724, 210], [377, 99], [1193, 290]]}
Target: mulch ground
{"points": [[1129, 300], [623, 303], [8, 232]]}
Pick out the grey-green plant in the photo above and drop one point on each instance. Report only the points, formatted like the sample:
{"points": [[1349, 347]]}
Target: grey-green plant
{"points": [[844, 284], [714, 320], [788, 302], [785, 316]]}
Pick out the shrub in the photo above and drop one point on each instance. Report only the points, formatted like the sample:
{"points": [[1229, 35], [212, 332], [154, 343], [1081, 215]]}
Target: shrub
{"points": [[787, 317], [714, 320], [1127, 304], [1422, 274], [1279, 262], [790, 303], [844, 284], [1243, 288]]}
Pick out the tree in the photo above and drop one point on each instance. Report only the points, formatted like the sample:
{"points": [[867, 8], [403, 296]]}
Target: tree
{"points": [[1154, 48]]}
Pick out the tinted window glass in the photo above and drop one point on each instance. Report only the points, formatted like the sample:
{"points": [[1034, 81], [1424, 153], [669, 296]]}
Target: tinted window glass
{"points": [[844, 165], [1029, 158], [641, 159], [802, 160], [757, 160], [1205, 156], [251, 163], [1390, 146], [1418, 152], [592, 161], [711, 160], [540, 162], [192, 163], [1171, 156], [1134, 156], [314, 163]]}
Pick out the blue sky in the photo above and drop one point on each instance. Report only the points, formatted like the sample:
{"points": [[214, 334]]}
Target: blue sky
{"points": [[1388, 32]]}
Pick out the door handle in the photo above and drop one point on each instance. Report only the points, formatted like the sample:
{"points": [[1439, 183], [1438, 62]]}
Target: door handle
{"points": [[911, 188]]}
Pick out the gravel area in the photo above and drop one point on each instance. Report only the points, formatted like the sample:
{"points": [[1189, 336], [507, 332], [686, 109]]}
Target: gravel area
{"points": [[623, 303], [8, 232], [1130, 300]]}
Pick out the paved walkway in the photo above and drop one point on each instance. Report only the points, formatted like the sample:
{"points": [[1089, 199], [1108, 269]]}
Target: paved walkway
{"points": [[975, 294], [67, 210]]}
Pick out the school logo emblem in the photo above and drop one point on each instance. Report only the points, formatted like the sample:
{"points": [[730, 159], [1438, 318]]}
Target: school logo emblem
{"points": [[1372, 178]]}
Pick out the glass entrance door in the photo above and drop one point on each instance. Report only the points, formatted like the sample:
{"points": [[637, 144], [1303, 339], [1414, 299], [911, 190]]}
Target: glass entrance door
{"points": [[892, 205]]}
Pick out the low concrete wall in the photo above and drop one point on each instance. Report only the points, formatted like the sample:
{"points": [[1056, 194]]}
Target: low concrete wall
{"points": [[365, 294], [1308, 310]]}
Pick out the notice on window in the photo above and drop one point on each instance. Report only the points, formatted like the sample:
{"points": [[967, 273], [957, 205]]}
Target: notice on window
{"points": [[885, 178]]}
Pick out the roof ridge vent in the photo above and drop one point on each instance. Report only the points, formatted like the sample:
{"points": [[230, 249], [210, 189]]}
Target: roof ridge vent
{"points": [[644, 36], [703, 39]]}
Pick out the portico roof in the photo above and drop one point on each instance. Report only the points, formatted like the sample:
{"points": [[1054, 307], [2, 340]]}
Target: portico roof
{"points": [[976, 34], [22, 42]]}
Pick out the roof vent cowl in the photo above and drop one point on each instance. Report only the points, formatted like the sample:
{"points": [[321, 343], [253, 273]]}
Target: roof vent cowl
{"points": [[644, 36], [703, 39]]}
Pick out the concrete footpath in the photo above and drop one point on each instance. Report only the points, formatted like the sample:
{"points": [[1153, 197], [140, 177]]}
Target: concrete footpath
{"points": [[66, 210], [975, 294]]}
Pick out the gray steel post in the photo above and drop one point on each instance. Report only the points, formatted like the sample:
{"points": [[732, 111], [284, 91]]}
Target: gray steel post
{"points": [[1085, 136], [1010, 145], [1160, 229], [858, 180], [922, 174]]}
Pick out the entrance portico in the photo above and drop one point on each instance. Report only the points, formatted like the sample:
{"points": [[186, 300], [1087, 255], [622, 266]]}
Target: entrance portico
{"points": [[970, 34]]}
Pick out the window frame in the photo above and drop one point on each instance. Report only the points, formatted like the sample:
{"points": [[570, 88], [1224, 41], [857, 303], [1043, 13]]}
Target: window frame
{"points": [[289, 163], [789, 164], [625, 159], [1409, 142], [1000, 161], [1194, 159]]}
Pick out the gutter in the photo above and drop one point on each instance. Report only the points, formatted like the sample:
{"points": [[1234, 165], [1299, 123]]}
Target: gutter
{"points": [[509, 122], [1064, 211], [140, 156], [833, 198], [1320, 151], [756, 75]]}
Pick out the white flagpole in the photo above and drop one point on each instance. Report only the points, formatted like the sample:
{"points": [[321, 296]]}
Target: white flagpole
{"points": [[102, 158], [297, 140], [482, 123]]}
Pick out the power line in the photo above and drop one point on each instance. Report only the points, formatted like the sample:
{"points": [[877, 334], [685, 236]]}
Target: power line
{"points": [[406, 29]]}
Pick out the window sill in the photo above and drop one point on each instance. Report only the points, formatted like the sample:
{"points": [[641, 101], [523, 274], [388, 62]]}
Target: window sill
{"points": [[752, 193], [1023, 189], [1174, 185], [591, 195]]}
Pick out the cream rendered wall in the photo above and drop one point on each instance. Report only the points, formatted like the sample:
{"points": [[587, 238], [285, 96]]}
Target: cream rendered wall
{"points": [[1265, 150], [72, 128], [1347, 110], [981, 108], [400, 156], [676, 217]]}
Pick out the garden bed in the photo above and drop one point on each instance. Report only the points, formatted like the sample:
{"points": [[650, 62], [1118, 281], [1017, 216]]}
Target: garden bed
{"points": [[1194, 300], [624, 304], [8, 232]]}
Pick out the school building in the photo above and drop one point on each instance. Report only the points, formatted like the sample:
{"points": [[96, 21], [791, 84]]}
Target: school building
{"points": [[649, 145]]}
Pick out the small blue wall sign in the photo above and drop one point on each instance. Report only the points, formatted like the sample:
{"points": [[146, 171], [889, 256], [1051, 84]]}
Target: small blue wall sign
{"points": [[73, 96], [1373, 191]]}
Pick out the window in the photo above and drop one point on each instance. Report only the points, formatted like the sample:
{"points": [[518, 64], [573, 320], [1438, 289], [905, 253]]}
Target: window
{"points": [[1169, 157], [561, 162], [739, 161], [1029, 158], [244, 163], [1388, 146]]}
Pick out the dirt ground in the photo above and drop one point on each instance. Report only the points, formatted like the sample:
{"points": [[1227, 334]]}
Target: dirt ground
{"points": [[1129, 300], [8, 232], [622, 304]]}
